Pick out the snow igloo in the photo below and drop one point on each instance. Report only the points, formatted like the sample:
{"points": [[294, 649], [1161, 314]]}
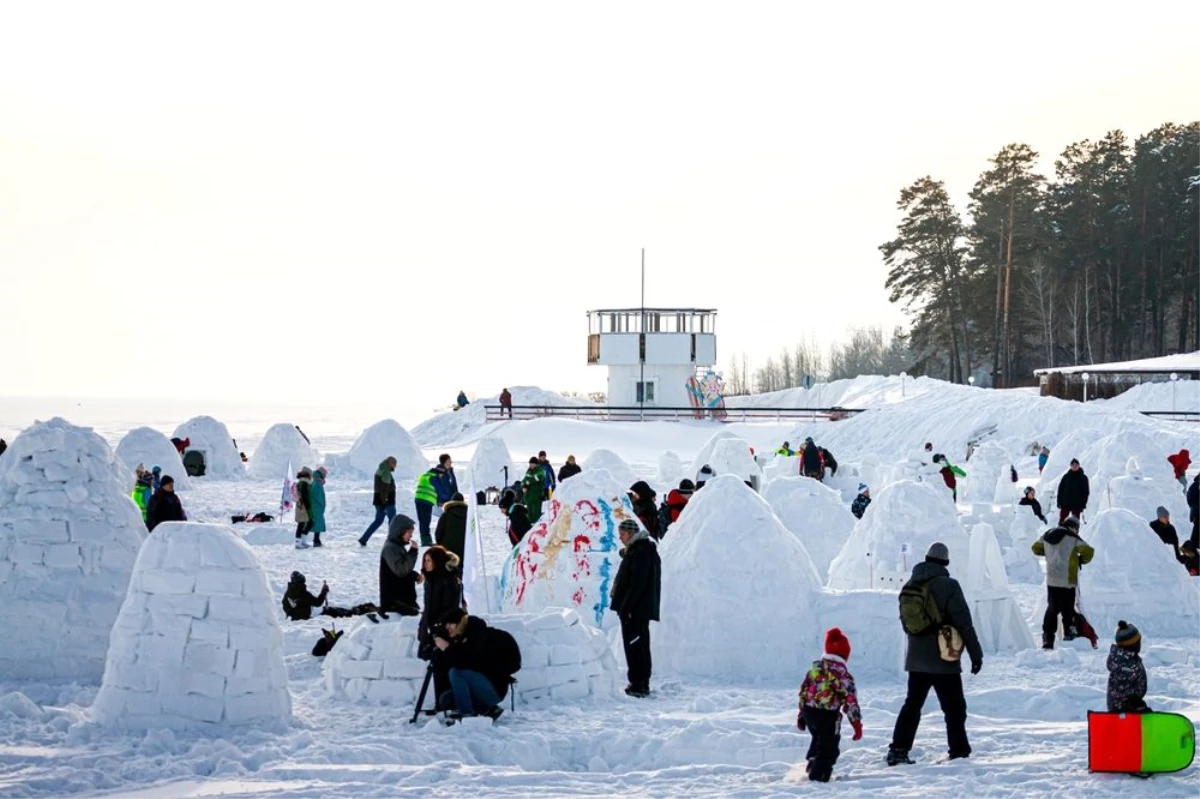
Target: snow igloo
{"points": [[562, 659], [211, 439], [282, 452], [381, 440], [815, 514], [569, 558], [670, 469], [709, 624], [903, 520], [197, 643], [704, 456], [1142, 495], [732, 456], [69, 535], [151, 448], [488, 465], [608, 461]]}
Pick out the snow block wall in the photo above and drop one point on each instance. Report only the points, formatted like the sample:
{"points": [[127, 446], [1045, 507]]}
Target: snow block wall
{"points": [[816, 515], [569, 558], [998, 621], [151, 448], [379, 441], [870, 619], [69, 535], [221, 458], [608, 461], [562, 659], [281, 452], [894, 534], [728, 564], [197, 643], [487, 466]]}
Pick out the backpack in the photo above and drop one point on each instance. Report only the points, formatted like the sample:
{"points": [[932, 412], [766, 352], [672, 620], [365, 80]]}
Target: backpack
{"points": [[918, 611], [506, 652], [664, 518]]}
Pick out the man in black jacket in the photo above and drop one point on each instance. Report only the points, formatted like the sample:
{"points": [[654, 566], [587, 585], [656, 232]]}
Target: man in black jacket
{"points": [[925, 666], [451, 529], [478, 679], [164, 506], [635, 596], [1072, 494], [398, 576]]}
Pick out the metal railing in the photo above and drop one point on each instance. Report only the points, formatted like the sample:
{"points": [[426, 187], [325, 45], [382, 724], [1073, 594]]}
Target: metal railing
{"points": [[636, 413], [1175, 416]]}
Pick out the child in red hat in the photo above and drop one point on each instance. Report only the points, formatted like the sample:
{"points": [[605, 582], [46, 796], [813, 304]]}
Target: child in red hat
{"points": [[828, 691]]}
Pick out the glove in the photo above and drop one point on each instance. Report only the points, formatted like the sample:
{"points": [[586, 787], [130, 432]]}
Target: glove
{"points": [[800, 722], [857, 725], [976, 665]]}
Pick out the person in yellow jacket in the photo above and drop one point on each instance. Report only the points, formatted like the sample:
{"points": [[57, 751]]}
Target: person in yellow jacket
{"points": [[142, 491], [1064, 552], [425, 497]]}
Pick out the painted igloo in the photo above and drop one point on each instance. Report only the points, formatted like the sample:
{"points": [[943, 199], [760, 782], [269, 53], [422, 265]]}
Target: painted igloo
{"points": [[816, 515], [197, 643], [904, 519], [670, 469], [732, 456], [569, 558], [379, 441], [562, 659], [69, 535], [608, 461], [212, 440], [745, 613], [488, 465], [997, 618], [151, 448], [282, 452], [1142, 495]]}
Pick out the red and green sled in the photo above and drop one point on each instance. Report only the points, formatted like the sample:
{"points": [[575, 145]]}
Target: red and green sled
{"points": [[1140, 743]]}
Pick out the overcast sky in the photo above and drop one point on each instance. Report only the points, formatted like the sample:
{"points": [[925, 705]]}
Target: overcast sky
{"points": [[350, 201]]}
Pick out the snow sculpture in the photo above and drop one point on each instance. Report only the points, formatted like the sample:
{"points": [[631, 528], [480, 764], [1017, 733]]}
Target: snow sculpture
{"points": [[1020, 564], [151, 448], [988, 464], [197, 643], [815, 514], [998, 621], [211, 438], [904, 519], [379, 441], [710, 626], [609, 461], [732, 456], [1108, 458], [569, 558], [670, 469], [69, 535], [561, 659], [488, 463], [705, 454], [281, 452], [1142, 495]]}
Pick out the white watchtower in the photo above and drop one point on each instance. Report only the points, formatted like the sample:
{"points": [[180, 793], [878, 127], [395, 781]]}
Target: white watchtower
{"points": [[651, 352]]}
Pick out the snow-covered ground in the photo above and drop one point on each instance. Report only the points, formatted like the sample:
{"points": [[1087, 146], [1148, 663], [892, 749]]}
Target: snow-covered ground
{"points": [[698, 735]]}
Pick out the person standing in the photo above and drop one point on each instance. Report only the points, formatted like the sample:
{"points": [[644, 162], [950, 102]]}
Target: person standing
{"points": [[445, 483], [164, 506], [397, 575], [142, 491], [425, 498], [316, 505], [518, 522], [451, 530], [923, 660], [1180, 462], [635, 600], [861, 502], [443, 592], [812, 462], [825, 693], [384, 498], [569, 469], [156, 476], [1072, 494], [1064, 552], [548, 472], [1043, 456], [303, 507], [533, 490], [505, 403], [643, 499]]}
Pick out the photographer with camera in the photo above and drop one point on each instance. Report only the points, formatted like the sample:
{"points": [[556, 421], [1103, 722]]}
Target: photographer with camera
{"points": [[480, 661]]}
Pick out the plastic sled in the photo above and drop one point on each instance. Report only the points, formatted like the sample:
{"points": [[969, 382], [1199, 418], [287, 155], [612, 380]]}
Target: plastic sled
{"points": [[1140, 743]]}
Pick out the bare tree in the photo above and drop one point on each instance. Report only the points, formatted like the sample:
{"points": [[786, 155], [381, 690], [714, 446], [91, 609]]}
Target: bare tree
{"points": [[1039, 287]]}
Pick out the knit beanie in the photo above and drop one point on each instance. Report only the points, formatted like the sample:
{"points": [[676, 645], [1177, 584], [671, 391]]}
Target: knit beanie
{"points": [[836, 643], [1162, 512], [863, 487], [938, 553], [1127, 635]]}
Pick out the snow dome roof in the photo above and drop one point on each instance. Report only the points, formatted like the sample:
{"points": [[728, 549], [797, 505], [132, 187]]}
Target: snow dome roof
{"points": [[151, 448], [381, 440], [706, 452], [282, 451], [609, 461], [732, 456], [816, 515], [488, 463], [221, 458]]}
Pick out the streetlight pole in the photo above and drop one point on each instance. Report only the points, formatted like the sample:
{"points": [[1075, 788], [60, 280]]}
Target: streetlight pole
{"points": [[1174, 380], [903, 375], [1086, 377], [642, 347]]}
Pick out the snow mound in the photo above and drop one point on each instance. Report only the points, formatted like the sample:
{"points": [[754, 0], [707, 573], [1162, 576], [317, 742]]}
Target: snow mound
{"points": [[608, 461], [987, 466], [151, 448], [281, 452], [210, 437], [488, 463], [1134, 577], [1109, 457], [1019, 562], [562, 659], [1072, 445], [732, 456], [197, 643], [670, 469], [870, 619], [997, 618], [69, 535], [569, 558], [815, 514], [381, 440], [1161, 396], [904, 519], [1142, 495], [716, 633], [461, 426], [706, 452]]}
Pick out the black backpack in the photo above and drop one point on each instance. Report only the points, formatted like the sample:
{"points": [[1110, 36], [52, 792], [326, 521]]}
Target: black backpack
{"points": [[328, 639], [664, 518], [506, 651]]}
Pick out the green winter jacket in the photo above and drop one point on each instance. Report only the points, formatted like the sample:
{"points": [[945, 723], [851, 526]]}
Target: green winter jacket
{"points": [[141, 497], [534, 485], [316, 505], [425, 490]]}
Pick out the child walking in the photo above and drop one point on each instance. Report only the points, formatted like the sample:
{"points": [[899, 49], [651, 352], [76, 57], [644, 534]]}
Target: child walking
{"points": [[827, 691], [1126, 672]]}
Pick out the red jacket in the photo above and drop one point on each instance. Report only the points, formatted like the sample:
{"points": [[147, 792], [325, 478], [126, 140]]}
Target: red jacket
{"points": [[948, 477], [1181, 461], [676, 502]]}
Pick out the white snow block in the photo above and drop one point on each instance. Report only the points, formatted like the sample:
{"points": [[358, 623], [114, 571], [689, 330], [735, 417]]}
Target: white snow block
{"points": [[191, 660]]}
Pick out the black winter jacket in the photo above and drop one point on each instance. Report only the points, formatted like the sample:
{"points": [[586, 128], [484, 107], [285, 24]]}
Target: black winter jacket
{"points": [[1037, 508], [638, 585], [473, 650], [1073, 491], [443, 592], [569, 470], [397, 579], [451, 529], [923, 655], [164, 506], [518, 523], [385, 493], [298, 602]]}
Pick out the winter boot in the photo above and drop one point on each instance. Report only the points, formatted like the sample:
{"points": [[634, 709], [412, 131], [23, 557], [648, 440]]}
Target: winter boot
{"points": [[1071, 633], [1047, 642], [896, 757], [302, 542], [317, 540], [493, 713]]}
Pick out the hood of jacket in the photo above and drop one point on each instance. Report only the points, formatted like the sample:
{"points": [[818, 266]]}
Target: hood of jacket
{"points": [[1057, 534], [396, 529], [643, 490], [925, 571]]}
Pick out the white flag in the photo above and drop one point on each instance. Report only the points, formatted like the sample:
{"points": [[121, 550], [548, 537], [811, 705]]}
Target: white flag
{"points": [[474, 573]]}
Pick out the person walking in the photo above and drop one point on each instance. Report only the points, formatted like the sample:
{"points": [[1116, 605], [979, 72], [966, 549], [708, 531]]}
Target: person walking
{"points": [[1072, 494], [316, 505], [425, 498], [929, 602], [384, 498], [1064, 552], [548, 474], [825, 693], [303, 507], [635, 600]]}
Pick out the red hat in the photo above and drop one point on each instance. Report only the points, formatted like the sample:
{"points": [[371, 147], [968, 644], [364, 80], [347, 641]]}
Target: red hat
{"points": [[836, 643]]}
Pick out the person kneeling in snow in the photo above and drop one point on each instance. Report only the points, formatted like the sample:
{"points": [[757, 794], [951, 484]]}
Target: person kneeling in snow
{"points": [[827, 690], [1126, 673], [481, 661]]}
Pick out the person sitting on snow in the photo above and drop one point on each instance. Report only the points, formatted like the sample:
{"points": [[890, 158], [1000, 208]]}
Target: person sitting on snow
{"points": [[462, 400], [1126, 672], [859, 506], [1030, 499], [826, 692]]}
